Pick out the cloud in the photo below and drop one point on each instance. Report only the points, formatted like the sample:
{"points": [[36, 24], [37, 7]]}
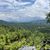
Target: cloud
{"points": [[13, 4], [14, 10]]}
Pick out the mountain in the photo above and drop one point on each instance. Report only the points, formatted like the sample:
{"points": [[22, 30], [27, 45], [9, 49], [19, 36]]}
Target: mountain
{"points": [[23, 19], [2, 22], [39, 22]]}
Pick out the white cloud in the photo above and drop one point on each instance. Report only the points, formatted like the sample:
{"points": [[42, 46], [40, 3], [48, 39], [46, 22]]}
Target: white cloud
{"points": [[39, 8]]}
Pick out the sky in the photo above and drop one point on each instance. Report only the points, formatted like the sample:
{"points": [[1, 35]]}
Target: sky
{"points": [[23, 10]]}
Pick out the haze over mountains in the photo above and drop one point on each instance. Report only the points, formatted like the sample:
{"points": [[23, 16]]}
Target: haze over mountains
{"points": [[23, 10]]}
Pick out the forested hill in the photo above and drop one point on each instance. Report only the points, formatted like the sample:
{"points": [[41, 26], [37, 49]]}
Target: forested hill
{"points": [[5, 22], [31, 22]]}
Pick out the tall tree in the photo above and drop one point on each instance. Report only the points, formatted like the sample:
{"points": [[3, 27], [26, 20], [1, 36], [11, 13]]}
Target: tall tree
{"points": [[48, 17]]}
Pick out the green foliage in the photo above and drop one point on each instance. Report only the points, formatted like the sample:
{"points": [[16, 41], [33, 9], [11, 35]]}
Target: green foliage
{"points": [[48, 17], [14, 37]]}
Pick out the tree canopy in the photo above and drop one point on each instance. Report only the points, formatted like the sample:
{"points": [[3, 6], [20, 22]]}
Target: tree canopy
{"points": [[48, 17]]}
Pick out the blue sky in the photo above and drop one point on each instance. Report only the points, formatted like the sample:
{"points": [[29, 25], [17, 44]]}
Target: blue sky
{"points": [[19, 10]]}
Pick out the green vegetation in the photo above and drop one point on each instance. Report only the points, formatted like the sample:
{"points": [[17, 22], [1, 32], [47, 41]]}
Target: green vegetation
{"points": [[48, 17], [12, 37]]}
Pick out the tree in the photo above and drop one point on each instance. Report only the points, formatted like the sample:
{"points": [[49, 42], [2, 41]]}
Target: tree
{"points": [[48, 17]]}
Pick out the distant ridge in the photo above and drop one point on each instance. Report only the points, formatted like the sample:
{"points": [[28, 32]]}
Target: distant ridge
{"points": [[32, 22], [2, 22]]}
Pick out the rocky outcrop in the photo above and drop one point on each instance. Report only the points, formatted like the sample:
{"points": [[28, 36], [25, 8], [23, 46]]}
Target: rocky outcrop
{"points": [[27, 48]]}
